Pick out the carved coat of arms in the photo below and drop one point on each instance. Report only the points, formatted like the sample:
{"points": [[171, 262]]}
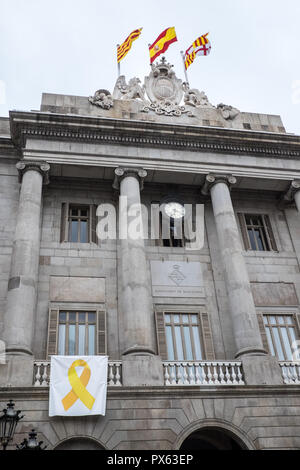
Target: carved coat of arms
{"points": [[162, 84]]}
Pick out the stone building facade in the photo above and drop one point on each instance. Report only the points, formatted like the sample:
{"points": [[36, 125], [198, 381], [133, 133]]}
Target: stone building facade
{"points": [[202, 343]]}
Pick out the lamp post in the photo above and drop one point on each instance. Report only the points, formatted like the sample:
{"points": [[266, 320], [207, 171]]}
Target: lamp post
{"points": [[8, 422], [31, 443]]}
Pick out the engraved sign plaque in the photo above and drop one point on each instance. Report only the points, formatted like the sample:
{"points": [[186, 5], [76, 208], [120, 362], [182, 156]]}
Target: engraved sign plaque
{"points": [[177, 279]]}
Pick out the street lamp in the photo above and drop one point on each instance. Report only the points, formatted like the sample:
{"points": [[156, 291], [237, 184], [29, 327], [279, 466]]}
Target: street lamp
{"points": [[8, 423], [31, 443]]}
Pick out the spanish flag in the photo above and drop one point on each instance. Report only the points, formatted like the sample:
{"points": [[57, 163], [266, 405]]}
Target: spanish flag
{"points": [[162, 43], [124, 48]]}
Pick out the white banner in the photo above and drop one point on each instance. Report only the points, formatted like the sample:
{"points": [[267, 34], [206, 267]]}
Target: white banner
{"points": [[78, 385]]}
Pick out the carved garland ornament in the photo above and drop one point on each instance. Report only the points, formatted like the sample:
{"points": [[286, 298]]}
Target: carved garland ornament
{"points": [[167, 108]]}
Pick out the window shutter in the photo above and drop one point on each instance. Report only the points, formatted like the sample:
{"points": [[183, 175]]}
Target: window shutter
{"points": [[260, 319], [52, 332], [161, 335], [101, 333], [270, 233], [207, 337], [298, 323], [244, 231], [93, 224], [64, 222]]}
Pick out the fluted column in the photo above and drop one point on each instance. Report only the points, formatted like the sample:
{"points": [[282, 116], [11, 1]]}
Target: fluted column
{"points": [[242, 308], [22, 285], [135, 300]]}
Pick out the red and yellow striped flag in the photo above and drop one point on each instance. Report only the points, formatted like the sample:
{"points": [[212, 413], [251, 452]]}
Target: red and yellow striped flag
{"points": [[124, 48], [201, 46], [162, 43]]}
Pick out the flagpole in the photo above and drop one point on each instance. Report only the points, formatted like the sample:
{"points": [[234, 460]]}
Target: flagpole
{"points": [[119, 65], [185, 71], [149, 45]]}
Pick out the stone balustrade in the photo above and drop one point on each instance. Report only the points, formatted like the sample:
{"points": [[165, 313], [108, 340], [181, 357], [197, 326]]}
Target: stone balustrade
{"points": [[203, 373], [41, 375], [213, 373], [290, 372]]}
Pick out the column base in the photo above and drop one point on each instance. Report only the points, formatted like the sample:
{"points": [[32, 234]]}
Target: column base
{"points": [[139, 351], [261, 370], [251, 352], [18, 350], [17, 371], [142, 371]]}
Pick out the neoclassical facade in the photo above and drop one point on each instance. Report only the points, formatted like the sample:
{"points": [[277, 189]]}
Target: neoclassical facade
{"points": [[202, 339]]}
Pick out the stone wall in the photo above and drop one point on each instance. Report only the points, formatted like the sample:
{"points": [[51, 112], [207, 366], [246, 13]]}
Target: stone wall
{"points": [[159, 419]]}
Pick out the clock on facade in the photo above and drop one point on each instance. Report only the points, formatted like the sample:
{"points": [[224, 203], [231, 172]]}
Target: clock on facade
{"points": [[174, 210]]}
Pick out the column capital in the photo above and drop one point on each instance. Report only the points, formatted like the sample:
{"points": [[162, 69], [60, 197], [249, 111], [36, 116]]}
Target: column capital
{"points": [[293, 189], [42, 167], [121, 172], [212, 178]]}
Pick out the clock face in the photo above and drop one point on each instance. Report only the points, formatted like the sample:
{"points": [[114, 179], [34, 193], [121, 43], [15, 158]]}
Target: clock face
{"points": [[174, 210]]}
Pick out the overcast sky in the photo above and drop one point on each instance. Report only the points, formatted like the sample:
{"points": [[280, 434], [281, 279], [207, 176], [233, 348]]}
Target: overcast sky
{"points": [[69, 47]]}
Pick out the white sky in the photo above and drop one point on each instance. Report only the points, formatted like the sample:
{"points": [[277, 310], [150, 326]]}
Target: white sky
{"points": [[69, 47]]}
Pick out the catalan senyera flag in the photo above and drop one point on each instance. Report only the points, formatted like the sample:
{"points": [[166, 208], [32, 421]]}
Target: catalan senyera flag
{"points": [[125, 47], [201, 46], [161, 44]]}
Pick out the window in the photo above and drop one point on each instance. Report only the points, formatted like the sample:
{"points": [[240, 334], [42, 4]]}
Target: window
{"points": [[281, 332], [176, 233], [172, 228], [77, 333], [78, 223], [184, 336], [257, 232]]}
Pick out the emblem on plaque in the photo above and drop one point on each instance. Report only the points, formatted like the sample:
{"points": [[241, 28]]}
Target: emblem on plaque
{"points": [[176, 275]]}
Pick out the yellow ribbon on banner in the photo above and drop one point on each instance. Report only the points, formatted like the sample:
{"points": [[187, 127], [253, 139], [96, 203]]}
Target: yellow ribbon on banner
{"points": [[78, 385]]}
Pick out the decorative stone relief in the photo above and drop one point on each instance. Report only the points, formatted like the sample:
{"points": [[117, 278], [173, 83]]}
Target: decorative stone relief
{"points": [[167, 108], [177, 279], [194, 97], [162, 84], [228, 112], [132, 91], [164, 91], [102, 98]]}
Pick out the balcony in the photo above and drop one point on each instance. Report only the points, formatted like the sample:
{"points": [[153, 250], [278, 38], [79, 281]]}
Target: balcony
{"points": [[175, 373], [41, 374], [290, 372], [203, 373]]}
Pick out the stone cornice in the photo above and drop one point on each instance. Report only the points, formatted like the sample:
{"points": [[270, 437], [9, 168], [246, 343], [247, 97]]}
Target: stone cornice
{"points": [[31, 125], [245, 391], [7, 147]]}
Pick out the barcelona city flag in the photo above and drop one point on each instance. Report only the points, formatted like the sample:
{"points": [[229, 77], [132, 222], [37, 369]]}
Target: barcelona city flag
{"points": [[125, 47], [161, 44], [201, 46]]}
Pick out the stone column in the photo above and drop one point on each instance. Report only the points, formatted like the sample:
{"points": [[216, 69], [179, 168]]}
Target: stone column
{"points": [[258, 367], [22, 285], [247, 335], [293, 194], [140, 365]]}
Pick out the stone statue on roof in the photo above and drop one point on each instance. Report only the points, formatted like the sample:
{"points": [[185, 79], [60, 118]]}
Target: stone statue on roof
{"points": [[102, 98], [194, 97], [131, 91]]}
